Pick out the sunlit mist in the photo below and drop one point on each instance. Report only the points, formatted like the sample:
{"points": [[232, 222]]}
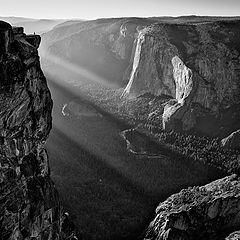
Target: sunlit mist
{"points": [[71, 73]]}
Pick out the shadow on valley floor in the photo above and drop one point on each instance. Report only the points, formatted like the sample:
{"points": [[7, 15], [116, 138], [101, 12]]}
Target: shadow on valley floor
{"points": [[104, 203], [73, 93], [111, 193]]}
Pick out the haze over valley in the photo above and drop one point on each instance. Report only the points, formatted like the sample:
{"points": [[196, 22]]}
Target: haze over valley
{"points": [[120, 124]]}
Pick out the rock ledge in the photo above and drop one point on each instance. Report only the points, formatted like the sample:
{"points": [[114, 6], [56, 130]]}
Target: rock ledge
{"points": [[198, 212]]}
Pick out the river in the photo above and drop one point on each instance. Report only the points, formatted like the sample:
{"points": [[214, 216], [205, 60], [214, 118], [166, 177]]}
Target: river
{"points": [[110, 192]]}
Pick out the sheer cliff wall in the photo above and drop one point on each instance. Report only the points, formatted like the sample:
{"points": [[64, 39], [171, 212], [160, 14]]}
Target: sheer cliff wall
{"points": [[29, 203], [198, 65]]}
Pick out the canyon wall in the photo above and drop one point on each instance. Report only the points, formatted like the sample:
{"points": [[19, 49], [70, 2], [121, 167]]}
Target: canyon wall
{"points": [[29, 206], [198, 65], [162, 57], [104, 47]]}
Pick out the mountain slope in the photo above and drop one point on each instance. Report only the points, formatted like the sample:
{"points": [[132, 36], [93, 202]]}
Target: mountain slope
{"points": [[103, 47], [39, 26], [13, 20]]}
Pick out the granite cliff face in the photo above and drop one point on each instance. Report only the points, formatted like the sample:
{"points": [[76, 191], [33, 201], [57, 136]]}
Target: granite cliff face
{"points": [[198, 65], [29, 206], [206, 212], [182, 76], [103, 47]]}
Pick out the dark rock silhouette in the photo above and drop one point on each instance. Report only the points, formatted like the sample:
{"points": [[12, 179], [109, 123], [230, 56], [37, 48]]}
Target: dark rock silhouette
{"points": [[29, 207]]}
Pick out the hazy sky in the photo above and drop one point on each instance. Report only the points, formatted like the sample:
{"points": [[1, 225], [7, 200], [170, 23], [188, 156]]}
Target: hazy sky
{"points": [[90, 9]]}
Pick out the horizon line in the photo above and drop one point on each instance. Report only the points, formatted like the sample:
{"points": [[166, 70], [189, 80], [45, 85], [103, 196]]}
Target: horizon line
{"points": [[116, 17]]}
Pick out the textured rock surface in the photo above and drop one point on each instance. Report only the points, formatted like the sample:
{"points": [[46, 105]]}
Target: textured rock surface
{"points": [[205, 212], [29, 206], [175, 111], [233, 236], [209, 52], [232, 141], [137, 56]]}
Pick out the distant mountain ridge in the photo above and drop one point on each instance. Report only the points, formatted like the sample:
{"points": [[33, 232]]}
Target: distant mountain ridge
{"points": [[32, 25], [13, 20]]}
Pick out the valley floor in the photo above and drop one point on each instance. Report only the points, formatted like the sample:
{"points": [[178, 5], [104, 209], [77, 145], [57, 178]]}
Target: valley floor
{"points": [[110, 192]]}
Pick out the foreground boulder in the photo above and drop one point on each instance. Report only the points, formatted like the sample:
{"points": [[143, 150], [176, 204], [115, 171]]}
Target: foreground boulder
{"points": [[29, 206], [234, 236], [232, 141], [205, 212]]}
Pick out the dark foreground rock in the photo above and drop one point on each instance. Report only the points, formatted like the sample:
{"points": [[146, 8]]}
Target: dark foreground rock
{"points": [[205, 212], [29, 203]]}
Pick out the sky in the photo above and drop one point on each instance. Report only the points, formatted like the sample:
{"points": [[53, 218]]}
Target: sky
{"points": [[92, 9]]}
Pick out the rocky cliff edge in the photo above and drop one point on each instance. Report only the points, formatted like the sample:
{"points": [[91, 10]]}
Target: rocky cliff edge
{"points": [[29, 203], [206, 212]]}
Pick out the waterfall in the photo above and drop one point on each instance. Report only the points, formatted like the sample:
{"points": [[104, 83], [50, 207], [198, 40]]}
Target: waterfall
{"points": [[136, 60]]}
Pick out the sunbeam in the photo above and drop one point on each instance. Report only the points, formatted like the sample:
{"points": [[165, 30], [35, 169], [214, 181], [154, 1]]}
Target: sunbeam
{"points": [[71, 73]]}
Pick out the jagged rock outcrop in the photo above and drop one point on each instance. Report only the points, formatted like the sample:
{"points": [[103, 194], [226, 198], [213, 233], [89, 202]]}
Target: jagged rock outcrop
{"points": [[29, 206], [232, 141], [210, 54], [233, 236], [205, 212]]}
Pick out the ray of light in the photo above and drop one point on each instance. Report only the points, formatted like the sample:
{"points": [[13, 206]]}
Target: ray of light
{"points": [[72, 73]]}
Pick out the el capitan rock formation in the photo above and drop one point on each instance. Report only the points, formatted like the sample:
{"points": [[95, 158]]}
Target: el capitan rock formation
{"points": [[208, 87], [29, 207]]}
